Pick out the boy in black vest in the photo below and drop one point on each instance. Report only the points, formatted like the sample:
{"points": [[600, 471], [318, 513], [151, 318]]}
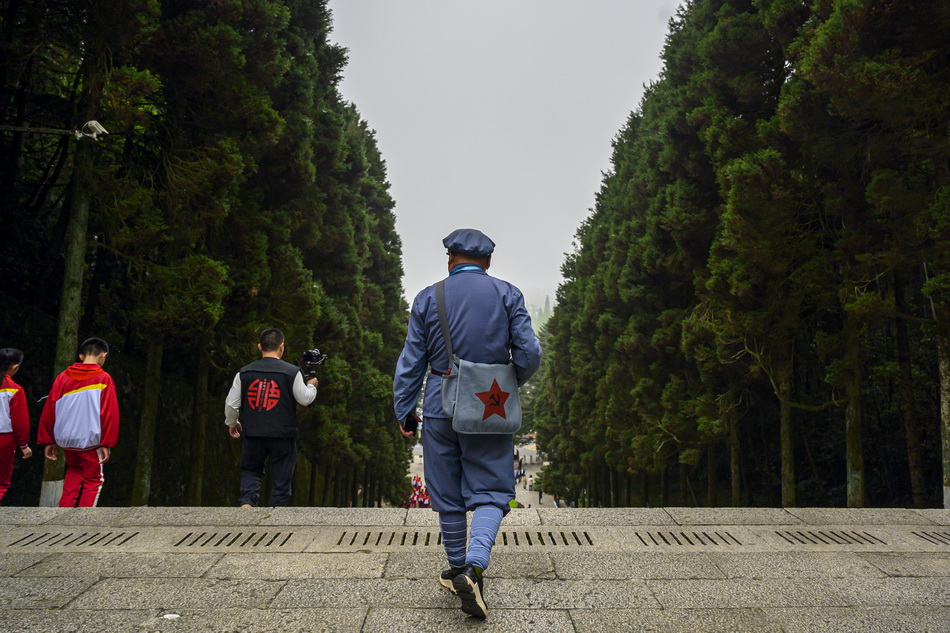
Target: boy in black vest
{"points": [[264, 395]]}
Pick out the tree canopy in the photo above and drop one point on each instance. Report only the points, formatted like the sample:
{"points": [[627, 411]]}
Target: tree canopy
{"points": [[236, 190], [755, 311]]}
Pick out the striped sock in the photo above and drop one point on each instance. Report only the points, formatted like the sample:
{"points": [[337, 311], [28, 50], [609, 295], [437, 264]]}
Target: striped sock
{"points": [[485, 524], [454, 527]]}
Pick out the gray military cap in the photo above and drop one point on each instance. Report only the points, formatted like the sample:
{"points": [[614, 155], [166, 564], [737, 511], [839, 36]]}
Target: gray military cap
{"points": [[469, 242]]}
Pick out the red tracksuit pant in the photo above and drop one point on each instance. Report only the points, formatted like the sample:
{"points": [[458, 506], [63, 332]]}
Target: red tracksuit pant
{"points": [[83, 479], [7, 456]]}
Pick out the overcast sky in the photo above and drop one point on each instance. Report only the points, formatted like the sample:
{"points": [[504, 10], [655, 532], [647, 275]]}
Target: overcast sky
{"points": [[497, 115]]}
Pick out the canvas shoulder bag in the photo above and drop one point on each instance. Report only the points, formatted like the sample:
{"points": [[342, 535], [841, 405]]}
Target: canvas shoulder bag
{"points": [[480, 398]]}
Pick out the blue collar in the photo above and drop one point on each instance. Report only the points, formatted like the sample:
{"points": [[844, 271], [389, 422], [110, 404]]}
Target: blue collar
{"points": [[464, 267]]}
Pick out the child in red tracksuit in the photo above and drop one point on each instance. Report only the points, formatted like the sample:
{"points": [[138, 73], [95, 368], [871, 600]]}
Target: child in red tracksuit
{"points": [[14, 417], [81, 416]]}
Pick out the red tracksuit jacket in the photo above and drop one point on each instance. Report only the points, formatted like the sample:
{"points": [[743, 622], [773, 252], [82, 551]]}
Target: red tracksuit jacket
{"points": [[14, 415], [82, 412]]}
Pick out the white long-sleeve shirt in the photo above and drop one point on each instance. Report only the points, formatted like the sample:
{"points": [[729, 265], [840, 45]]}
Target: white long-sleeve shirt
{"points": [[304, 394]]}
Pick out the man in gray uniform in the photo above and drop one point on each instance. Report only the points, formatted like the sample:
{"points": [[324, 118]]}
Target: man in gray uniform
{"points": [[264, 395], [488, 323]]}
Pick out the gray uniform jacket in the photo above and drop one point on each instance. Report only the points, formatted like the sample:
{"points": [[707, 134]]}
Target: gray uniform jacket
{"points": [[488, 323]]}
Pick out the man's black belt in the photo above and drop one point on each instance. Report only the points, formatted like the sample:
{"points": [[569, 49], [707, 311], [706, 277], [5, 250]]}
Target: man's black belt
{"points": [[437, 373]]}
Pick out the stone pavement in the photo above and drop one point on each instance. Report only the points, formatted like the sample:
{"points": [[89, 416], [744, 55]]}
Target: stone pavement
{"points": [[374, 570]]}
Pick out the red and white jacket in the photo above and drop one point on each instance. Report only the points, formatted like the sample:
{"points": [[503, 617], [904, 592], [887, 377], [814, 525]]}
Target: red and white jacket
{"points": [[14, 415], [82, 411]]}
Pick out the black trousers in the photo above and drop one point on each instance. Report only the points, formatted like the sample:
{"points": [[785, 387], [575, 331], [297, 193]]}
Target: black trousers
{"points": [[283, 458]]}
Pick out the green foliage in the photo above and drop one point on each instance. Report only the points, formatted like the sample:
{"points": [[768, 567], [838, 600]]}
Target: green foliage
{"points": [[744, 260], [236, 192]]}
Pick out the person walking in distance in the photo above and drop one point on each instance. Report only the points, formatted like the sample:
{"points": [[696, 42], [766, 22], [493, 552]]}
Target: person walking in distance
{"points": [[262, 407], [487, 323], [81, 416], [14, 417]]}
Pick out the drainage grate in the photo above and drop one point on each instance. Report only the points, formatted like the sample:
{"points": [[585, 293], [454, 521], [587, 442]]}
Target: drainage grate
{"points": [[234, 539], [528, 538], [663, 539], [829, 537], [937, 538], [73, 539], [505, 538], [389, 539]]}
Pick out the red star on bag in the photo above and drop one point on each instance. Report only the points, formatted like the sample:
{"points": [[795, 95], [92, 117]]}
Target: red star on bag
{"points": [[494, 400]]}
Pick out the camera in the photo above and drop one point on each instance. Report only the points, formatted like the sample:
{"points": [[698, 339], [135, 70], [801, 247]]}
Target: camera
{"points": [[309, 361]]}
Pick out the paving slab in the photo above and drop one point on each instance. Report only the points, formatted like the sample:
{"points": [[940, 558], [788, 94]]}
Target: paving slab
{"points": [[427, 566], [861, 516], [626, 566], [123, 565], [65, 621], [41, 593], [568, 594], [279, 566], [794, 565], [674, 621], [350, 593], [259, 621], [910, 563], [11, 564], [747, 593], [20, 515], [195, 516], [336, 516], [90, 516], [938, 516], [604, 516], [883, 592], [733, 516], [862, 620], [453, 620], [175, 593], [424, 517]]}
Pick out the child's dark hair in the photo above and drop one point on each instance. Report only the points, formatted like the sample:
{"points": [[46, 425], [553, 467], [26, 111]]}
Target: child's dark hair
{"points": [[9, 356], [271, 339], [93, 347]]}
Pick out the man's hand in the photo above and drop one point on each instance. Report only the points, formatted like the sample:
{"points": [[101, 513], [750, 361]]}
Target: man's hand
{"points": [[104, 454], [50, 452], [27, 452], [403, 430], [313, 381], [235, 431]]}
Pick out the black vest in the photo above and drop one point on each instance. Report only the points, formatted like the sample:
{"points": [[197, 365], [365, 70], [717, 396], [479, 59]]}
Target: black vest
{"points": [[268, 407]]}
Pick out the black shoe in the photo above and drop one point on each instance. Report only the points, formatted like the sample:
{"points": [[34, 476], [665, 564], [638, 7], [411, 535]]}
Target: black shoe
{"points": [[468, 586], [447, 577]]}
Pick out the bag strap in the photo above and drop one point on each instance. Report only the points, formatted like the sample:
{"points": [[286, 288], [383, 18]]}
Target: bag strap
{"points": [[443, 319]]}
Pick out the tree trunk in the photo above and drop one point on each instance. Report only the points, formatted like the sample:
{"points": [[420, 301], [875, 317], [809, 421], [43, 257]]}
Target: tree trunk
{"points": [[711, 476], [943, 361], [908, 400], [199, 418], [735, 480], [665, 486], [683, 476], [314, 483], [151, 394], [327, 500], [854, 454], [783, 380]]}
